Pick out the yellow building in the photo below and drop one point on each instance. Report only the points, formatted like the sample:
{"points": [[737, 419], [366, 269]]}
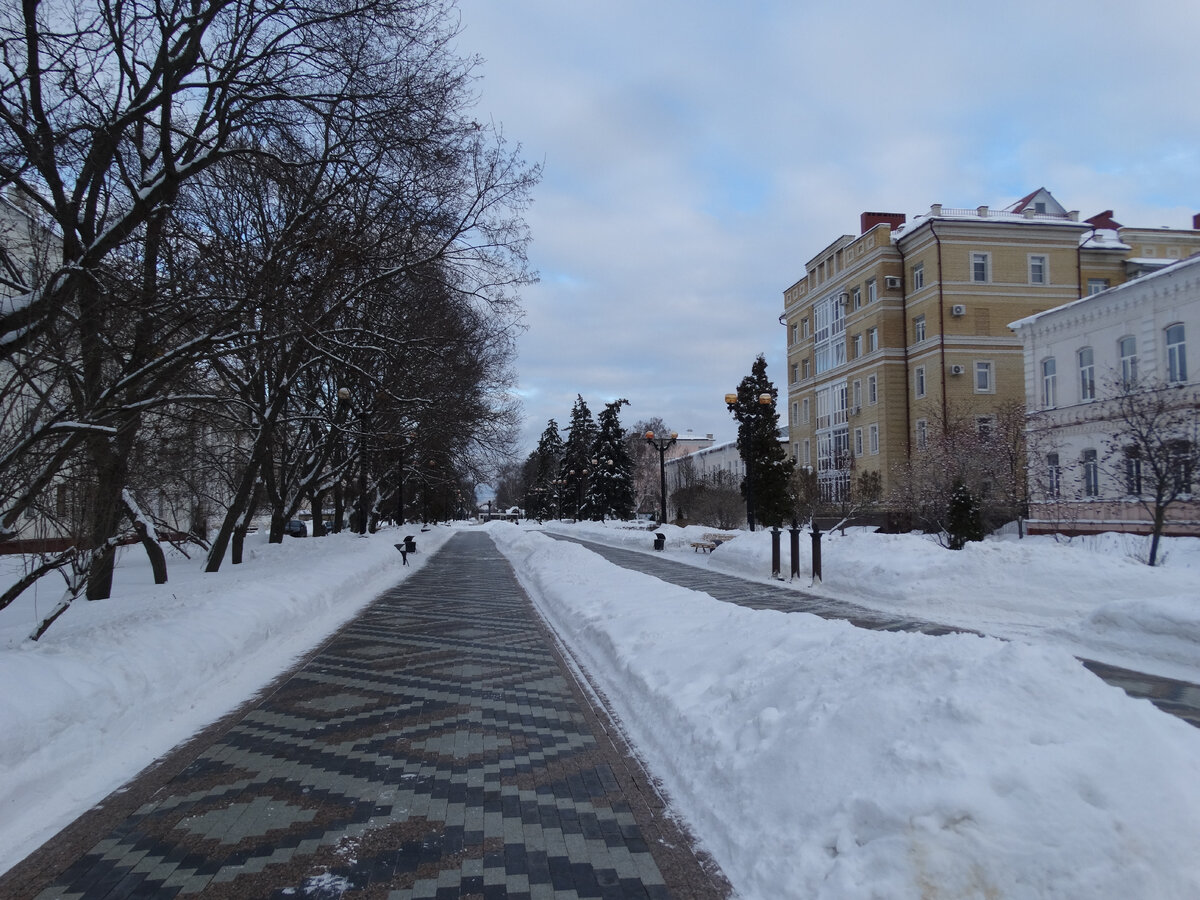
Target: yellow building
{"points": [[905, 326]]}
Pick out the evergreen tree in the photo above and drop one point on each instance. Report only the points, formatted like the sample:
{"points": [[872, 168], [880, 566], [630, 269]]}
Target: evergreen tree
{"points": [[768, 468], [611, 495], [542, 468], [577, 458], [965, 517]]}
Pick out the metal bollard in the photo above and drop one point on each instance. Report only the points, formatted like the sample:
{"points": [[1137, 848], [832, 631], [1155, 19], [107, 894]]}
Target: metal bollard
{"points": [[816, 551], [794, 532], [775, 551]]}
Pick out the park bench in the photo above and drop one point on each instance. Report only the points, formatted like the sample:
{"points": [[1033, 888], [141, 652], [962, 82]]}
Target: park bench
{"points": [[710, 542]]}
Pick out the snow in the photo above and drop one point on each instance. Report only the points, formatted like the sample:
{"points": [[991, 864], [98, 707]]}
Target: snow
{"points": [[810, 758]]}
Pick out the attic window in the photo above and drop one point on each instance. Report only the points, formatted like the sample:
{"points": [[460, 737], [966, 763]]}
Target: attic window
{"points": [[1040, 208]]}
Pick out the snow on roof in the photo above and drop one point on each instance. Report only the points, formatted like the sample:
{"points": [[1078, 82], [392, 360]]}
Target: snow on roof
{"points": [[1169, 267]]}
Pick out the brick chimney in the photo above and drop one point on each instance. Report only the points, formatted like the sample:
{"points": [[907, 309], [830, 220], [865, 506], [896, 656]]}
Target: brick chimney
{"points": [[869, 220], [1196, 221]]}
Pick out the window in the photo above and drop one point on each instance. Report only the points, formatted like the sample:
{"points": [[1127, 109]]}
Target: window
{"points": [[804, 410], [1038, 269], [873, 438], [858, 345], [980, 263], [922, 434], [872, 390], [804, 367], [1133, 472], [1127, 348], [1176, 354], [1087, 374], [985, 426], [1049, 383], [1053, 475], [858, 298], [1181, 463], [983, 377], [919, 381], [1091, 474], [872, 339], [807, 452], [872, 293], [918, 276], [804, 329], [1096, 285], [857, 393], [858, 442], [795, 373], [918, 329], [795, 333]]}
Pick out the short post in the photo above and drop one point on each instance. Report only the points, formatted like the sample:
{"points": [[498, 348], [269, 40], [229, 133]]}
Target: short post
{"points": [[775, 565], [816, 551], [794, 533]]}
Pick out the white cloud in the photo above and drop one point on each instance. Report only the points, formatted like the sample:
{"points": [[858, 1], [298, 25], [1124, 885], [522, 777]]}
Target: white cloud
{"points": [[698, 154]]}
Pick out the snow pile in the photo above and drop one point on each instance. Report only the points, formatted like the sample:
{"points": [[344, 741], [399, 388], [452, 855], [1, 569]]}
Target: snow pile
{"points": [[1035, 589], [819, 760], [114, 684]]}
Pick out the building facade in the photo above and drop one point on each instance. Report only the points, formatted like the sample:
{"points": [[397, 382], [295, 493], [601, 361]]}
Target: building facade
{"points": [[1077, 359], [904, 327]]}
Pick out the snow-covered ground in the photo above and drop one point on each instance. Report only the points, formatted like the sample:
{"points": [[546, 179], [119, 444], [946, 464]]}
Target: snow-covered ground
{"points": [[809, 757]]}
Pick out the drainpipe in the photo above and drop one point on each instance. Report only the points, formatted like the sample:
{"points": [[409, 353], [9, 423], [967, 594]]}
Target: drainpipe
{"points": [[904, 324], [941, 322]]}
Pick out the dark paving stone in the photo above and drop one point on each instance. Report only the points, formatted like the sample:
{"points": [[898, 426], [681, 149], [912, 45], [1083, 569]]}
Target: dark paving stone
{"points": [[436, 737]]}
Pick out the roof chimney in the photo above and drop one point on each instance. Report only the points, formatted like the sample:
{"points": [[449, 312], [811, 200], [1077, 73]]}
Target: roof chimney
{"points": [[1196, 221], [869, 220]]}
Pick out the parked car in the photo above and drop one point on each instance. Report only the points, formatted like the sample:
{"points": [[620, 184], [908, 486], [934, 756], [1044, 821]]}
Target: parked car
{"points": [[296, 528]]}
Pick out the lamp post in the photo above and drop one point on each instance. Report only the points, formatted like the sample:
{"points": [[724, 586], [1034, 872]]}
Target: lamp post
{"points": [[661, 444], [764, 399]]}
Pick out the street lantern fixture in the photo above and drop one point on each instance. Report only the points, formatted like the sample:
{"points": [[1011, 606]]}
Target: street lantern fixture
{"points": [[661, 443]]}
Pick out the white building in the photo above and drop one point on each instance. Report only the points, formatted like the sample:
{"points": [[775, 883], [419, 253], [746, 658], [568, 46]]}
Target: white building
{"points": [[1077, 357]]}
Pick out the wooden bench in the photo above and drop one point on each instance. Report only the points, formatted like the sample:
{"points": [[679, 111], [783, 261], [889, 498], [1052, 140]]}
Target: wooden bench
{"points": [[711, 542]]}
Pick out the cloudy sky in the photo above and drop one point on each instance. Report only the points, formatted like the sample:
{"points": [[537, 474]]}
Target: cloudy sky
{"points": [[698, 153]]}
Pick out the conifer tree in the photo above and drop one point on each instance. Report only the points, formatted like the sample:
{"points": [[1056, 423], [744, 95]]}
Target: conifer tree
{"points": [[577, 457], [611, 495], [768, 468]]}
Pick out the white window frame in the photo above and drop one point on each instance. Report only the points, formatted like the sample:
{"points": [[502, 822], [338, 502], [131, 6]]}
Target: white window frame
{"points": [[1176, 354], [872, 390], [1090, 473], [873, 438], [872, 290], [1087, 373], [805, 411], [984, 259], [858, 345], [807, 452], [857, 298], [794, 333], [919, 382], [918, 328], [1039, 268], [1127, 352], [856, 393], [985, 366], [1053, 476], [918, 276], [804, 328], [858, 442], [921, 428], [1049, 383], [1096, 285], [872, 339]]}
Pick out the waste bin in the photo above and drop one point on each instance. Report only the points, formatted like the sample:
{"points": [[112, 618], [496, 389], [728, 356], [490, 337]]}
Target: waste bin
{"points": [[410, 544], [660, 541]]}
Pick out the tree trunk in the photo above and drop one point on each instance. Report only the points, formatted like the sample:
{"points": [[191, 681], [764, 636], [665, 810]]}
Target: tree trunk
{"points": [[154, 550]]}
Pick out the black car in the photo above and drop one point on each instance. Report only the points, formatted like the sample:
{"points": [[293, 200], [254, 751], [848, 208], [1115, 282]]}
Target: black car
{"points": [[296, 528]]}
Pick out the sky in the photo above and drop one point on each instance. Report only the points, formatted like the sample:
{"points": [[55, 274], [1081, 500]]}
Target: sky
{"points": [[807, 757], [697, 154]]}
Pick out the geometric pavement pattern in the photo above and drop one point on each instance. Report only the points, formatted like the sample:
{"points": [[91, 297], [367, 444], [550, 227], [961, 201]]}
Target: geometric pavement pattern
{"points": [[434, 748], [1178, 698]]}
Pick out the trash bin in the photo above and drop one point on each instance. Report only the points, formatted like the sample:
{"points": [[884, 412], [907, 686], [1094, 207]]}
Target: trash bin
{"points": [[410, 544], [660, 541]]}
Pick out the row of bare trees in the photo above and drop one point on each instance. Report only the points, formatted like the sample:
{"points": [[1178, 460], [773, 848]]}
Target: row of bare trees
{"points": [[261, 254]]}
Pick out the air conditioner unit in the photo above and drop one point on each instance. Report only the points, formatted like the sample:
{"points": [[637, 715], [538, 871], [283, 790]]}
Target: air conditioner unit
{"points": [[892, 282], [958, 370], [854, 410], [958, 309], [844, 297]]}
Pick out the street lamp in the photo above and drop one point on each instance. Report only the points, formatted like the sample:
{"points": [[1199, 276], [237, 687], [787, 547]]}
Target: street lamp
{"points": [[731, 400], [661, 444]]}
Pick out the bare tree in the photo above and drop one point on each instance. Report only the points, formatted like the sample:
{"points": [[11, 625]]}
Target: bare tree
{"points": [[1154, 446]]}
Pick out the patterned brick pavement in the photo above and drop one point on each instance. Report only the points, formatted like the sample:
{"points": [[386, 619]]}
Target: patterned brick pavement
{"points": [[436, 747]]}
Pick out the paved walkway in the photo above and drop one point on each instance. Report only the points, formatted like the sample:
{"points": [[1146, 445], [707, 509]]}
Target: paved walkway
{"points": [[436, 747], [1179, 698]]}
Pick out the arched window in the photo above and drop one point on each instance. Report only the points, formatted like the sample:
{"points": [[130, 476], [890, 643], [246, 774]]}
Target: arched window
{"points": [[1087, 374], [1176, 354]]}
